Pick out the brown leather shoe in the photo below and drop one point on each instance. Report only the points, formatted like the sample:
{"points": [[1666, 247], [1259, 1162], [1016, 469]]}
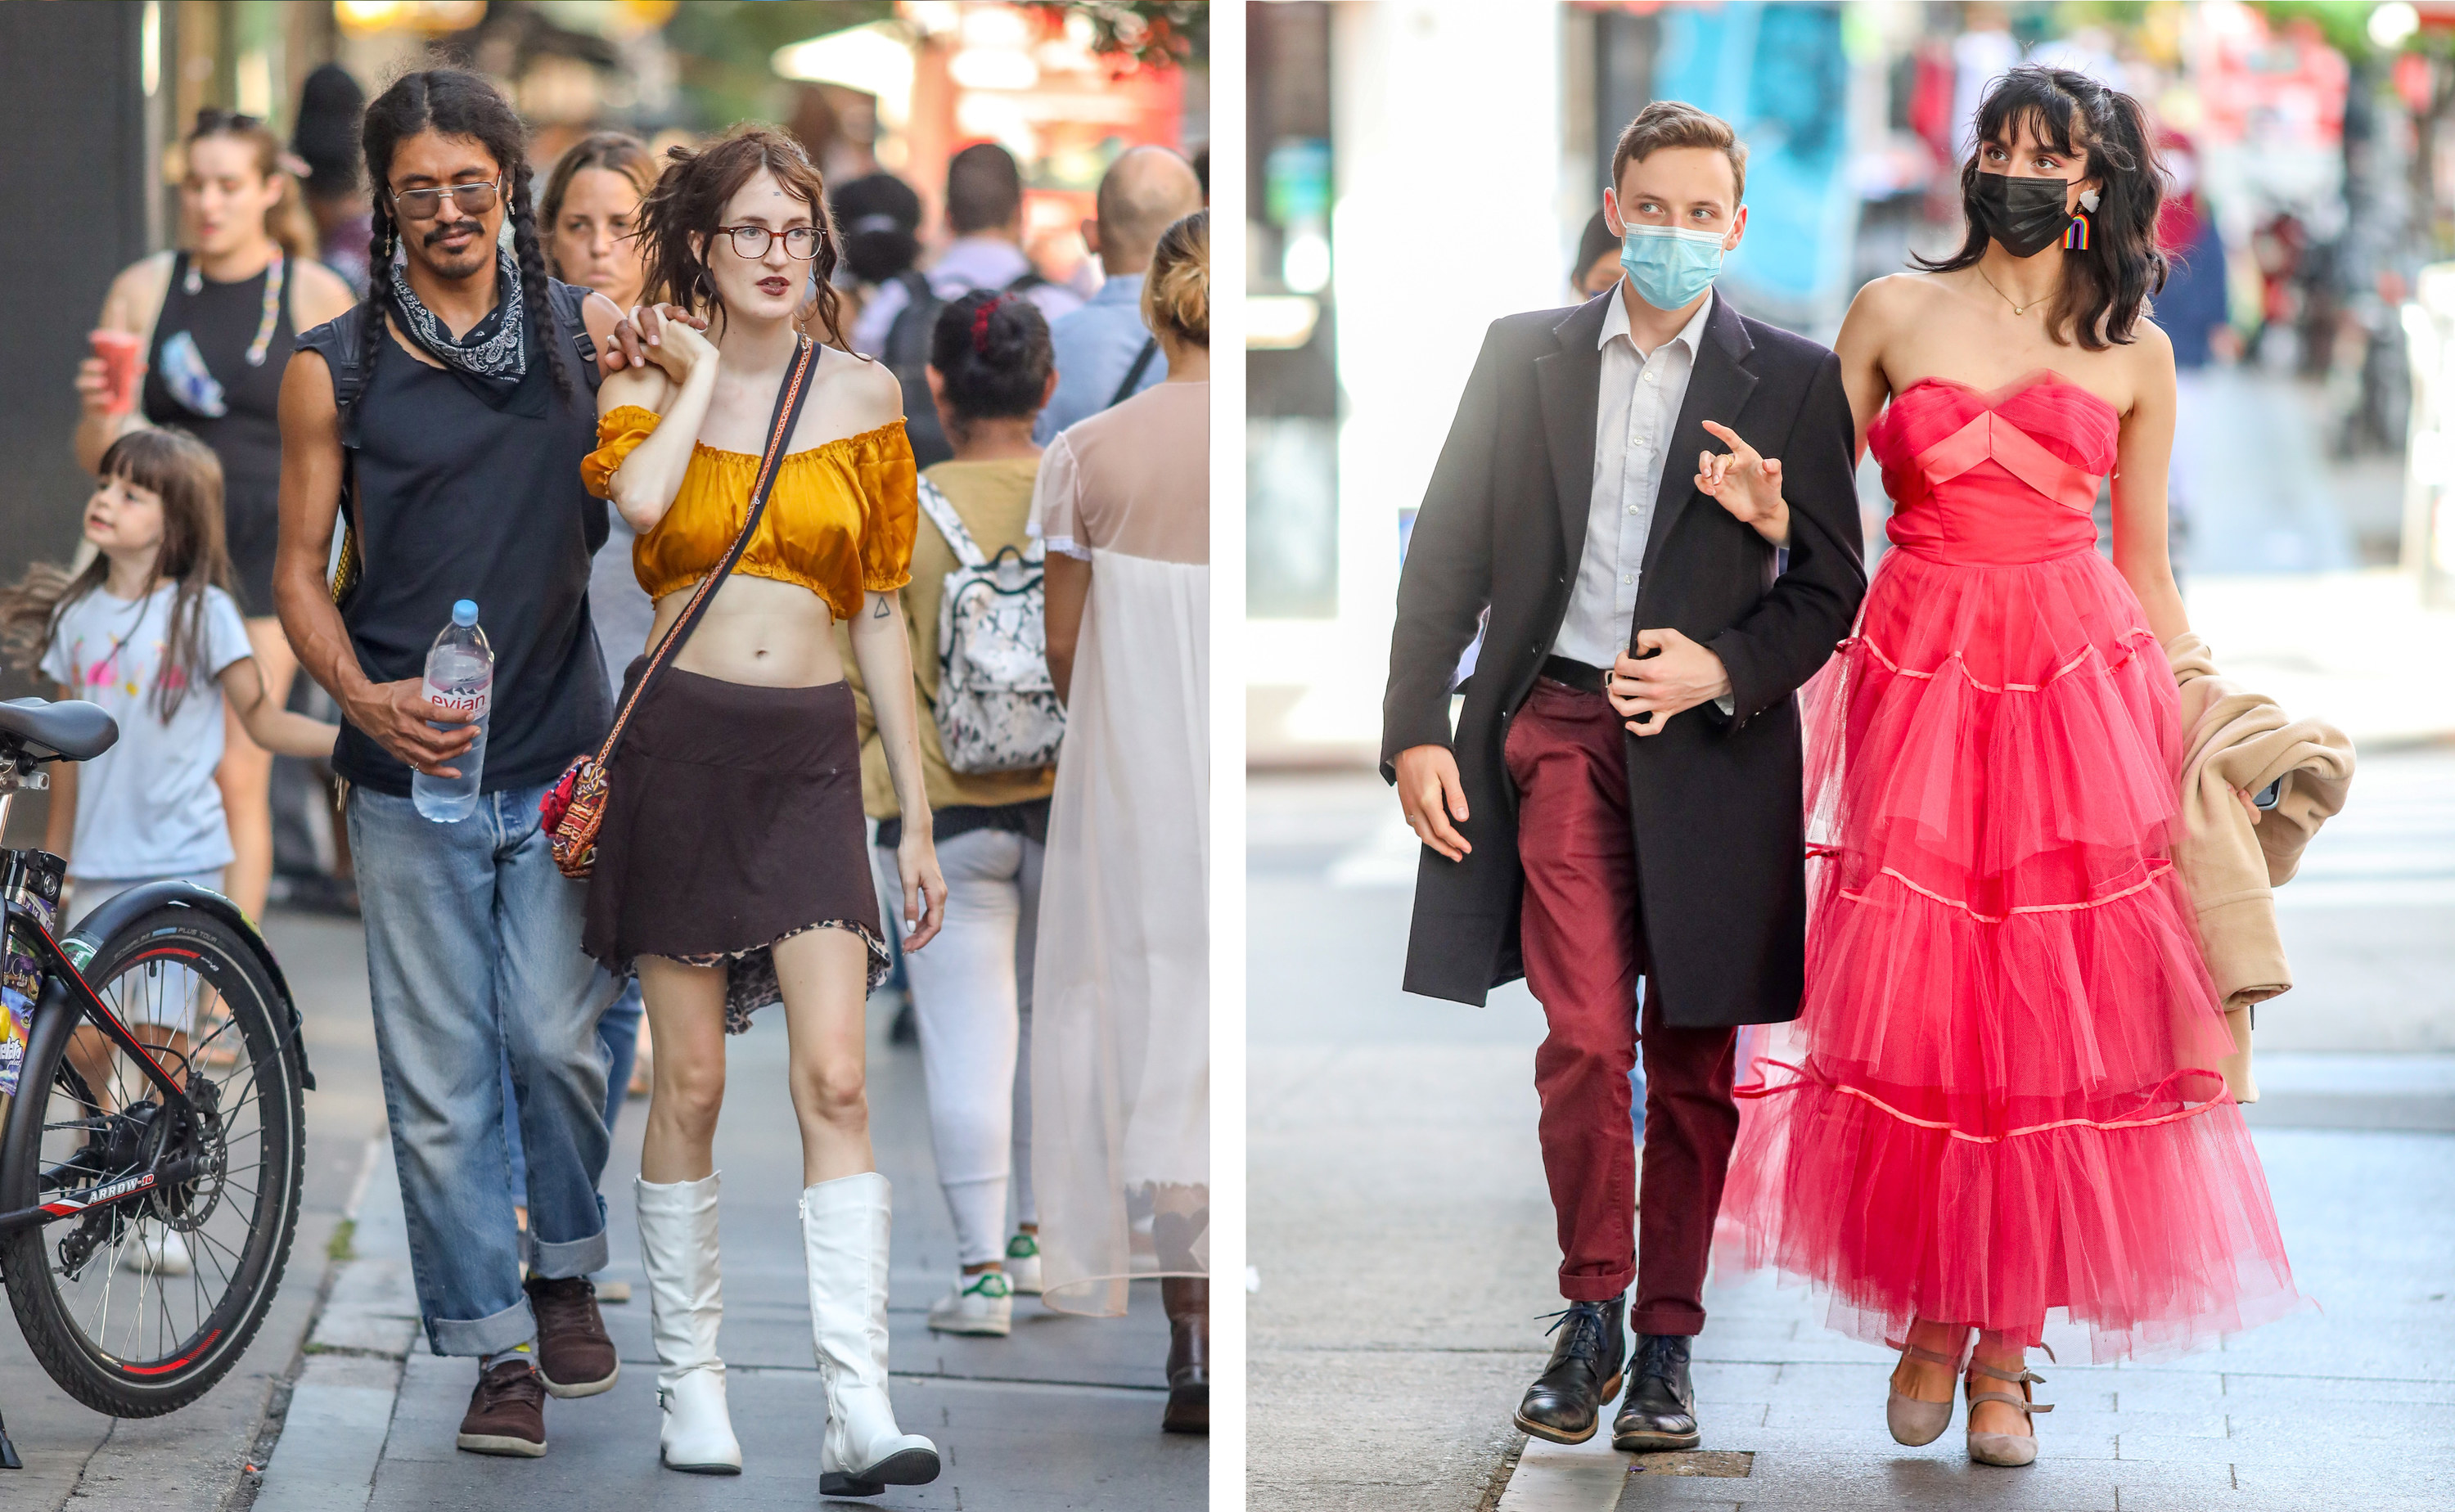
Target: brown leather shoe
{"points": [[506, 1412], [1188, 1300], [575, 1358]]}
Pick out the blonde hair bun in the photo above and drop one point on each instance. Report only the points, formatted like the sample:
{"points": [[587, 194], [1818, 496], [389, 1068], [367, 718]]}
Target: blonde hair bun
{"points": [[1176, 293]]}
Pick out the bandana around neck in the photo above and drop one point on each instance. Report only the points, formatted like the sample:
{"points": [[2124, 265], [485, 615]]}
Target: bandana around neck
{"points": [[494, 356]]}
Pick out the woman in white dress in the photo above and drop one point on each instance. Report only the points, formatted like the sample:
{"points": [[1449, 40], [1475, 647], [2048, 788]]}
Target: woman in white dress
{"points": [[1121, 1043]]}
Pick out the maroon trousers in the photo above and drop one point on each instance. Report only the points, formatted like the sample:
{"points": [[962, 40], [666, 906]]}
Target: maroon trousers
{"points": [[1583, 934]]}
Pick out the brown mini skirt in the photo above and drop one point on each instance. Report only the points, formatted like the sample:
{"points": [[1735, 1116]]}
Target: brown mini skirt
{"points": [[732, 821]]}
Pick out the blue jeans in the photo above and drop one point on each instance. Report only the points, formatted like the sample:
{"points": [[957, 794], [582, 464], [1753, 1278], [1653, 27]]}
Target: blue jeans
{"points": [[618, 1041], [473, 955]]}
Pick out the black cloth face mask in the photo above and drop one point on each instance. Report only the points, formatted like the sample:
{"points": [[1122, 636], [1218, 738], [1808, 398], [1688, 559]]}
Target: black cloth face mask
{"points": [[2024, 215]]}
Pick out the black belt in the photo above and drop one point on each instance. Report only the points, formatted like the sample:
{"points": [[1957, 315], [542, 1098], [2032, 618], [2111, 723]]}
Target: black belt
{"points": [[1575, 674]]}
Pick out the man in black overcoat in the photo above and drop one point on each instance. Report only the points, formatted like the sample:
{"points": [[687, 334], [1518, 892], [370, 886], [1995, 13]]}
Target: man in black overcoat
{"points": [[1621, 795]]}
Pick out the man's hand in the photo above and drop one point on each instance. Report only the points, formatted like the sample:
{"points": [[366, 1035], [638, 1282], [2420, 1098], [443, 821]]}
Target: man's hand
{"points": [[636, 334], [1746, 484], [397, 717], [1432, 795], [1669, 675]]}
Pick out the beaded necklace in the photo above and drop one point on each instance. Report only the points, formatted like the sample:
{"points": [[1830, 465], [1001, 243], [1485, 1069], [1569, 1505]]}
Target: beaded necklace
{"points": [[194, 283]]}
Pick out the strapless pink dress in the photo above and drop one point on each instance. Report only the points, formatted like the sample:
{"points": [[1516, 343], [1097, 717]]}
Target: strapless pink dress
{"points": [[2000, 1096]]}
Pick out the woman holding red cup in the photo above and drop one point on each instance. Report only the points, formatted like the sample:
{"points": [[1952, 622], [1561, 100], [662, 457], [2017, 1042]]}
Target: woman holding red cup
{"points": [[197, 339]]}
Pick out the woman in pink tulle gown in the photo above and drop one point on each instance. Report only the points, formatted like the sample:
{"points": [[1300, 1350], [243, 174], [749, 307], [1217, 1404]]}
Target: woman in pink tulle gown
{"points": [[2001, 1094]]}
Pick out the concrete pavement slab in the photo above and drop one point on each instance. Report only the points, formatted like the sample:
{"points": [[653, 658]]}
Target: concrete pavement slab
{"points": [[1063, 1414], [1384, 1125]]}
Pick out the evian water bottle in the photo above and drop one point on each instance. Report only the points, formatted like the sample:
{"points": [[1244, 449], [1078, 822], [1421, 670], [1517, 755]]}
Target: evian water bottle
{"points": [[459, 674]]}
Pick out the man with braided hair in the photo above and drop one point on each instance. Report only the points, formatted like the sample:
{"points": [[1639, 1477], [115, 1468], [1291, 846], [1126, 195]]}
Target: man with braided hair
{"points": [[444, 420]]}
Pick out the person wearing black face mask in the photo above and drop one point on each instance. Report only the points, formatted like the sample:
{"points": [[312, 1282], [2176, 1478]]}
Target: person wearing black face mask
{"points": [[2002, 1097]]}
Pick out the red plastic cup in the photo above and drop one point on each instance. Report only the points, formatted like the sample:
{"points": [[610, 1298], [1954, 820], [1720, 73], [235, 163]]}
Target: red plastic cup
{"points": [[123, 365]]}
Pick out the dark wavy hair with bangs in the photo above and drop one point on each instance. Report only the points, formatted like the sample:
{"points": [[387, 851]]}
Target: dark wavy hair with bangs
{"points": [[689, 201], [2106, 287]]}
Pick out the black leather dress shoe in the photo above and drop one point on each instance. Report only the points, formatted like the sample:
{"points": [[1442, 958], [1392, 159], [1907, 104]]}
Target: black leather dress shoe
{"points": [[1565, 1404], [1660, 1411]]}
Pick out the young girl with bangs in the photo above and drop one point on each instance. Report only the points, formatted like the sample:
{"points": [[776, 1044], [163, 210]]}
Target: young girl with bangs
{"points": [[149, 631]]}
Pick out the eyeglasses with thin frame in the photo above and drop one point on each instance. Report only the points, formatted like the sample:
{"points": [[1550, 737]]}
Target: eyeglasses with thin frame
{"points": [[750, 242], [425, 204]]}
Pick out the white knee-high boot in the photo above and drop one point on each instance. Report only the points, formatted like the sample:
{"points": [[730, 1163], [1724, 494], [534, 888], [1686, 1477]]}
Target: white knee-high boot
{"points": [[844, 1227], [685, 1303]]}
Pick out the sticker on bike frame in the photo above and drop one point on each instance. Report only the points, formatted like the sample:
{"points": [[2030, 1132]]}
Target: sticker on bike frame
{"points": [[16, 1025]]}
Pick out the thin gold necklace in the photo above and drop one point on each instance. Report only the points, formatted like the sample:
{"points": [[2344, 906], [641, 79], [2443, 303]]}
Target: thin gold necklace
{"points": [[2017, 309]]}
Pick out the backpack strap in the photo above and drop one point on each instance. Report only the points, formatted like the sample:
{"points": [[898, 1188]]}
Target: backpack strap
{"points": [[1025, 281], [567, 301], [940, 511]]}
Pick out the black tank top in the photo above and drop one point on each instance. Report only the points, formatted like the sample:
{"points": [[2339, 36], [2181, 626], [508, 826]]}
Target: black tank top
{"points": [[456, 499], [221, 322]]}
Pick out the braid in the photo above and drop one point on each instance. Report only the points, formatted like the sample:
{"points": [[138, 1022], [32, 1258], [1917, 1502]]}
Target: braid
{"points": [[371, 340], [531, 254]]}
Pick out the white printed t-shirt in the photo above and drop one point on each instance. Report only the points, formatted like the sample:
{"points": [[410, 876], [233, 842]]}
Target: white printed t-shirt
{"points": [[147, 806]]}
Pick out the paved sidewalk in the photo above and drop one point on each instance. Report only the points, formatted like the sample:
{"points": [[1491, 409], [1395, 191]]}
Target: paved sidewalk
{"points": [[194, 1459], [1404, 1241], [1064, 1414]]}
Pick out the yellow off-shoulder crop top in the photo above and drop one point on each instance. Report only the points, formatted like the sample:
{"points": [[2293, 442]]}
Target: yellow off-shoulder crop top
{"points": [[839, 521]]}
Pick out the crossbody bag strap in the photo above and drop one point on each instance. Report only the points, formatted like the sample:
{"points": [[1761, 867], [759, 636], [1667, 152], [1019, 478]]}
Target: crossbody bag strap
{"points": [[1134, 375], [780, 432]]}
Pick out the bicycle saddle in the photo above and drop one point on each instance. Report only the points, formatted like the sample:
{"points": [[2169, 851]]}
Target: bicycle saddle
{"points": [[73, 731]]}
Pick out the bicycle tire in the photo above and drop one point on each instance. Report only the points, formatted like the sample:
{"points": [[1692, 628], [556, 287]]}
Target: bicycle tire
{"points": [[59, 1328]]}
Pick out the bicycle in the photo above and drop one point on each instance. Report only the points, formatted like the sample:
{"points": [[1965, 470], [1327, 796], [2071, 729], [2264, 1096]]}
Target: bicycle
{"points": [[152, 1124]]}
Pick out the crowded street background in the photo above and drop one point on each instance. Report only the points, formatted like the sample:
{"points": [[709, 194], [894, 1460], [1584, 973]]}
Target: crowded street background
{"points": [[1420, 167], [201, 184]]}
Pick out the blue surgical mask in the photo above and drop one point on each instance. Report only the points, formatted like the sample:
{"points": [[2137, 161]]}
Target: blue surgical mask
{"points": [[1669, 265]]}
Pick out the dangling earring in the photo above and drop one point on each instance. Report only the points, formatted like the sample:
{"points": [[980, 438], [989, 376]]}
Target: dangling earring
{"points": [[2076, 235]]}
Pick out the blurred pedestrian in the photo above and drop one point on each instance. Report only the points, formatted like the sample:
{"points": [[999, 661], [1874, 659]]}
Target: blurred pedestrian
{"points": [[730, 869], [1121, 1042], [590, 214], [1598, 269], [453, 409], [879, 218], [325, 141], [1105, 353], [2006, 1097], [984, 212], [1619, 795], [216, 322], [990, 371]]}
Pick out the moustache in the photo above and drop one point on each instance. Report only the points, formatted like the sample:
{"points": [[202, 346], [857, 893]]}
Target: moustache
{"points": [[451, 228]]}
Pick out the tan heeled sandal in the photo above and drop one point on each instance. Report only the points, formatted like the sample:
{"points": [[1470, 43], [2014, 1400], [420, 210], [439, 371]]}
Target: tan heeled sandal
{"points": [[1916, 1421], [2011, 1450]]}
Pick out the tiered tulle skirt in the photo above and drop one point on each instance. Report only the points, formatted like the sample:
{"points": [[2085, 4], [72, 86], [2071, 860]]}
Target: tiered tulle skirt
{"points": [[2000, 1096]]}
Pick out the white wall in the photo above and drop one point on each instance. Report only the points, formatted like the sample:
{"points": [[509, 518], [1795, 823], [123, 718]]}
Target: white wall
{"points": [[1448, 127]]}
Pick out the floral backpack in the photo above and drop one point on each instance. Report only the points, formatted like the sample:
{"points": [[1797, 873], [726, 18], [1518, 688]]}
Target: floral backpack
{"points": [[997, 710]]}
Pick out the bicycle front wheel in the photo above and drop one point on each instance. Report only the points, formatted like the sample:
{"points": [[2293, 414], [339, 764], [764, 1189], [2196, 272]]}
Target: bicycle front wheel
{"points": [[136, 1307]]}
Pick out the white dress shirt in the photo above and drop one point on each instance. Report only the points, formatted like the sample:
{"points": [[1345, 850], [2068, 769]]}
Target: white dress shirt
{"points": [[1639, 405]]}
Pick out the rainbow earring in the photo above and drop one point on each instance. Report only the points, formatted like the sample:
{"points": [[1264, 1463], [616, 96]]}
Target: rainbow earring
{"points": [[2076, 235]]}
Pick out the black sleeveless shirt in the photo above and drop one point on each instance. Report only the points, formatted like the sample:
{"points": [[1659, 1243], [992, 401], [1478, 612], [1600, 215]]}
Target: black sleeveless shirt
{"points": [[221, 321], [454, 498]]}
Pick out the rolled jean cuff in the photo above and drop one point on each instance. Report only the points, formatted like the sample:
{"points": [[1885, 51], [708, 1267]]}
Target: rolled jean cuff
{"points": [[577, 1256], [509, 1329]]}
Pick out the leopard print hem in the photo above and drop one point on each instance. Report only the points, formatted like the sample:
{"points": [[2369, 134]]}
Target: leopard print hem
{"points": [[750, 976]]}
